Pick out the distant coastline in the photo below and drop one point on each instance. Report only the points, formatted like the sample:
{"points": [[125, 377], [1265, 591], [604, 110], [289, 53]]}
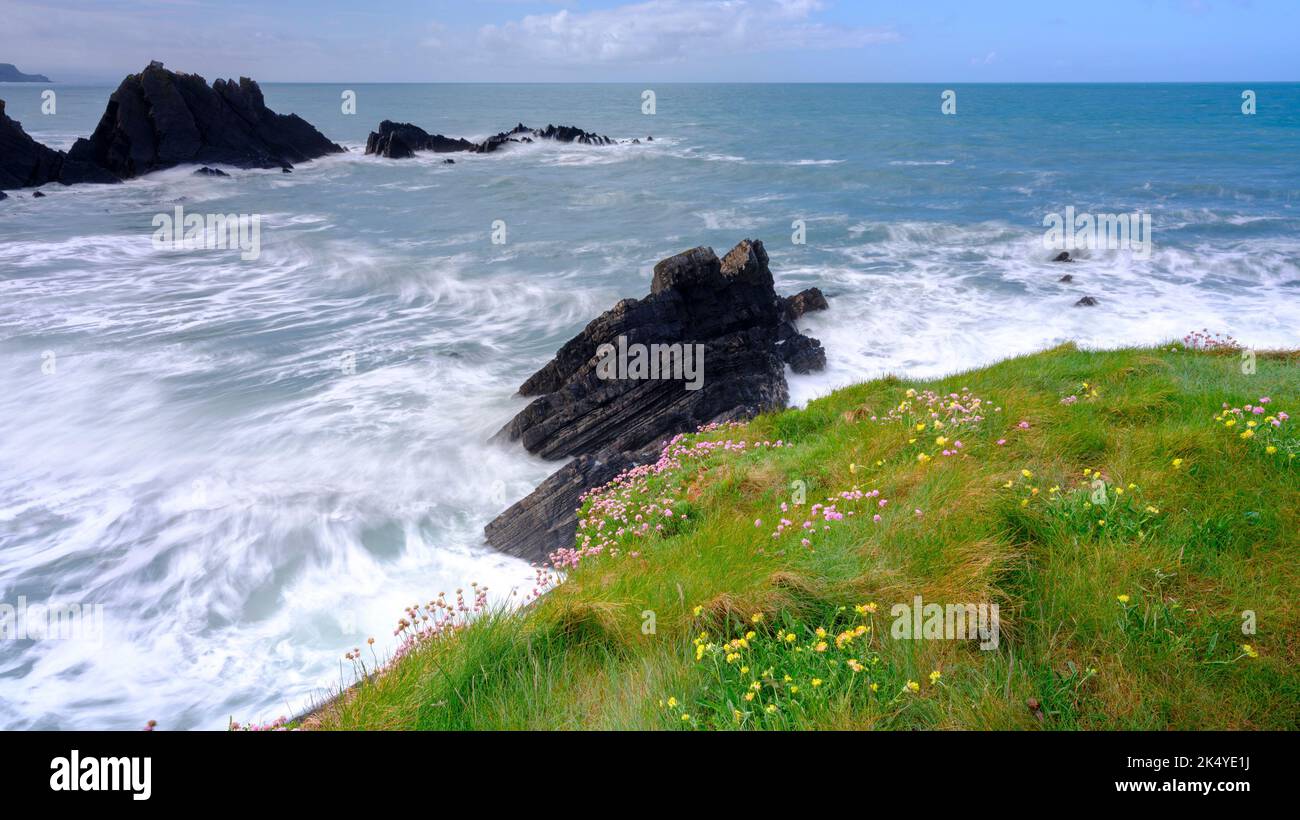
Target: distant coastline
{"points": [[9, 73]]}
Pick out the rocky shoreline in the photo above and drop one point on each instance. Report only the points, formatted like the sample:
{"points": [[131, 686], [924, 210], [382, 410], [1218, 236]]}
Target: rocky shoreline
{"points": [[726, 311]]}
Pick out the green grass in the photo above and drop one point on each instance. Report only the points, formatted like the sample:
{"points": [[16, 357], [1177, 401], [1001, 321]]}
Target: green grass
{"points": [[1192, 546]]}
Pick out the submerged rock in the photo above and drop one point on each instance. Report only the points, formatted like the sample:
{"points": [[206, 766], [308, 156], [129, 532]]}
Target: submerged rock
{"points": [[1087, 301], [205, 171], [1066, 278], [398, 140], [719, 332], [1063, 256], [159, 119]]}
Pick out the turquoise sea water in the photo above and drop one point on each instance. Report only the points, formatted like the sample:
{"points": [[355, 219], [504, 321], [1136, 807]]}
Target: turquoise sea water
{"points": [[246, 511]]}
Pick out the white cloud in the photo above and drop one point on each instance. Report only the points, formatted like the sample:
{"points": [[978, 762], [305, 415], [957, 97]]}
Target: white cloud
{"points": [[658, 31]]}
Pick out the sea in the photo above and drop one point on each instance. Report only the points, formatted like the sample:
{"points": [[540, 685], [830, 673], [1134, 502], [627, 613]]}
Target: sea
{"points": [[244, 468]]}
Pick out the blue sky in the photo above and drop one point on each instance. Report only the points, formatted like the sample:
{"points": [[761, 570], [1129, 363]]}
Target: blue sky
{"points": [[660, 40]]}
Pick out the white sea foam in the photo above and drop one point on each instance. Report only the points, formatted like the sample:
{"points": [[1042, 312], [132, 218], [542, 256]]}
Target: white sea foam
{"points": [[247, 511]]}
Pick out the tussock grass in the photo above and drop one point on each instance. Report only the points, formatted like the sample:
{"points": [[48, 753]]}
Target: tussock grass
{"points": [[1189, 547]]}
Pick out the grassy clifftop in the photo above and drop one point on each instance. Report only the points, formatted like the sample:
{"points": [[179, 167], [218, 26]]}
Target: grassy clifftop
{"points": [[1128, 512]]}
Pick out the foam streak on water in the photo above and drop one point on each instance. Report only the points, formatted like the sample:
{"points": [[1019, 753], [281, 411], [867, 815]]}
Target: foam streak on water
{"points": [[201, 463]]}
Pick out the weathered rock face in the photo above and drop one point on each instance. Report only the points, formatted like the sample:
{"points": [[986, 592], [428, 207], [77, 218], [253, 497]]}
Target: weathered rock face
{"points": [[591, 403], [159, 119], [547, 518], [805, 301], [398, 140], [24, 162]]}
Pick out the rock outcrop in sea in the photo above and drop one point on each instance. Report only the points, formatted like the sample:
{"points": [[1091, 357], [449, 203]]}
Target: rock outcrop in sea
{"points": [[24, 162], [398, 140], [160, 119], [724, 311]]}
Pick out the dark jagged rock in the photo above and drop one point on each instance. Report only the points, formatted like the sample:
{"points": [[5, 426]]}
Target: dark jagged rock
{"points": [[804, 354], [1066, 278], [9, 73], [205, 171], [398, 140], [38, 195], [25, 163], [3, 196], [745, 334], [805, 301], [159, 119], [1087, 301], [1063, 256], [547, 518]]}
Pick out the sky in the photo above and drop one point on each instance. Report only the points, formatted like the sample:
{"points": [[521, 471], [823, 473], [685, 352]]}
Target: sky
{"points": [[949, 41]]}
